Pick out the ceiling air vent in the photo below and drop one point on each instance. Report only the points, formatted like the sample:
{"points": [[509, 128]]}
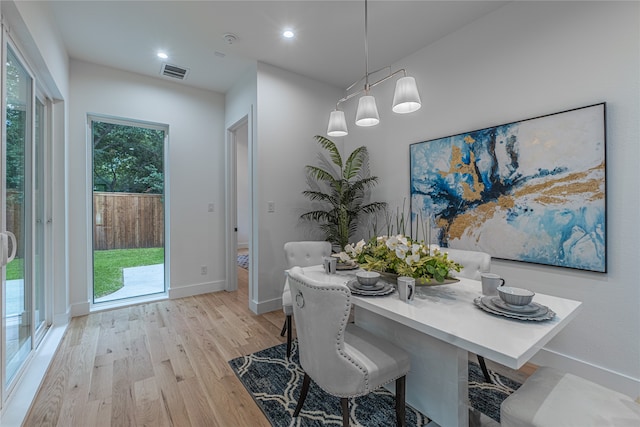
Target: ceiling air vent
{"points": [[174, 71]]}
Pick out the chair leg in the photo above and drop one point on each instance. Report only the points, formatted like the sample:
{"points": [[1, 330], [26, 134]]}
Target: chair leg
{"points": [[303, 394], [400, 401], [344, 402], [288, 336], [485, 371], [284, 328]]}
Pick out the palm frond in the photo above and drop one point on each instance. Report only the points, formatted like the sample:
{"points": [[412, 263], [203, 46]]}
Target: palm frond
{"points": [[326, 164], [316, 216], [320, 174], [373, 207], [354, 162], [320, 196], [364, 183], [330, 146]]}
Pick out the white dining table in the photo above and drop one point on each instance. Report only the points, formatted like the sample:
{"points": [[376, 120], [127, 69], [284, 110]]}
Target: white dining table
{"points": [[439, 329]]}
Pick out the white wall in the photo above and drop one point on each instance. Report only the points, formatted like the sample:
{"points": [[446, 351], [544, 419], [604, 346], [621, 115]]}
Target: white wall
{"points": [[525, 60], [196, 171], [291, 110]]}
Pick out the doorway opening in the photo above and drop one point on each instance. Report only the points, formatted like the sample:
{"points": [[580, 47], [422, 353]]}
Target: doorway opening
{"points": [[240, 247], [128, 208]]}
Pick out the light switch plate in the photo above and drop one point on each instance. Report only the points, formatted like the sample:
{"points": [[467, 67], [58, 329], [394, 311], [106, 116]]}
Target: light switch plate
{"points": [[271, 207]]}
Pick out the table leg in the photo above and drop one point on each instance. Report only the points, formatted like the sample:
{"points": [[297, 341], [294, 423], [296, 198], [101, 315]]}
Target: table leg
{"points": [[437, 384]]}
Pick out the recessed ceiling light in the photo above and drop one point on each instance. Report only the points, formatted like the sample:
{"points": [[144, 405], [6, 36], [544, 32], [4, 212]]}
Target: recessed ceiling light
{"points": [[162, 55], [288, 34]]}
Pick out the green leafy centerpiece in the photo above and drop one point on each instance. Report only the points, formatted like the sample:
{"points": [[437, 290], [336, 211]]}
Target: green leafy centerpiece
{"points": [[398, 255]]}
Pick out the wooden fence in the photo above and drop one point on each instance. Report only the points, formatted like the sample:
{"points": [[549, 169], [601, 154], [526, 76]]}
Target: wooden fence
{"points": [[122, 220], [128, 220]]}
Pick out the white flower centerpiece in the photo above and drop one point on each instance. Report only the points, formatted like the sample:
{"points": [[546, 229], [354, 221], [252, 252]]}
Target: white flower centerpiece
{"points": [[398, 255]]}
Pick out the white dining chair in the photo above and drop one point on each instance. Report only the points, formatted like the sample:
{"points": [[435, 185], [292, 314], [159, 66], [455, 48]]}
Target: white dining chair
{"points": [[551, 397], [474, 263], [341, 358], [300, 254]]}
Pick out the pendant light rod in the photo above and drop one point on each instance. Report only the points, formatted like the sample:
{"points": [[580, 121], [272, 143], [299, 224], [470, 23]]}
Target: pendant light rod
{"points": [[366, 47], [372, 85]]}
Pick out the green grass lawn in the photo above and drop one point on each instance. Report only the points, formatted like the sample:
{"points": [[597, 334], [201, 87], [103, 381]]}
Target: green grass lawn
{"points": [[108, 265], [14, 269]]}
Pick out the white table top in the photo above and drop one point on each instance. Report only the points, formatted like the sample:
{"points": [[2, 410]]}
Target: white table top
{"points": [[447, 312]]}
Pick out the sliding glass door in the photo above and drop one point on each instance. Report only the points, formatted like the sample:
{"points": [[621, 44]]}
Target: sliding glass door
{"points": [[23, 212], [17, 319]]}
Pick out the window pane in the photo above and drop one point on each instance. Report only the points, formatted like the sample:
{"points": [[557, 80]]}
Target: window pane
{"points": [[17, 312]]}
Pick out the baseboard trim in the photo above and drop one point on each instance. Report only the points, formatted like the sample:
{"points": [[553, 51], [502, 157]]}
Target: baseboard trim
{"points": [[80, 309], [598, 374], [197, 289], [266, 306]]}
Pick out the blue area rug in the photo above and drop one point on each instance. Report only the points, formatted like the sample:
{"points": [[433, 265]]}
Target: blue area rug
{"points": [[243, 261], [274, 383]]}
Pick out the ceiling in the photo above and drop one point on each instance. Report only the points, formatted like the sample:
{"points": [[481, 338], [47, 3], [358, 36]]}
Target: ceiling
{"points": [[328, 46]]}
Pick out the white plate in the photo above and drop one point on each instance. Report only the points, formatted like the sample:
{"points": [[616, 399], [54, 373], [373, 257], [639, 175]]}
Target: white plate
{"points": [[376, 287], [387, 288], [488, 302], [499, 312], [529, 308], [346, 267]]}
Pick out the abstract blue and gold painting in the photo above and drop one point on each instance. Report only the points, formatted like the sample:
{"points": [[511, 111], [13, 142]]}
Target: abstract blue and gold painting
{"points": [[531, 191]]}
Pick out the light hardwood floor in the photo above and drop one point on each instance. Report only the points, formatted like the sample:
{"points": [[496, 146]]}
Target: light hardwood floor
{"points": [[161, 364], [157, 364]]}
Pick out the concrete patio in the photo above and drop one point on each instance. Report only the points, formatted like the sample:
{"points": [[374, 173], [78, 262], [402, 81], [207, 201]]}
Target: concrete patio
{"points": [[144, 280]]}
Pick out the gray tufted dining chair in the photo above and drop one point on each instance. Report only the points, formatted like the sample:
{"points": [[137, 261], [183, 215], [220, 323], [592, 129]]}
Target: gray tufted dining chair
{"points": [[340, 357], [300, 254], [473, 263]]}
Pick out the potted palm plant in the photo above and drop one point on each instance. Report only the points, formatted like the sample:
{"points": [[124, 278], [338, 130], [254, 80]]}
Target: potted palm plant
{"points": [[342, 190]]}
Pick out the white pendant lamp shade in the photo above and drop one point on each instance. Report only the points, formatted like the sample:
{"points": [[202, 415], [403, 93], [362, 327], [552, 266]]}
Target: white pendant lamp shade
{"points": [[337, 124], [367, 113], [406, 98]]}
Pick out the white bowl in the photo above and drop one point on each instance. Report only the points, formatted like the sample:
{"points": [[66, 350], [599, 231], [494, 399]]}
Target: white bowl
{"points": [[367, 278], [515, 296]]}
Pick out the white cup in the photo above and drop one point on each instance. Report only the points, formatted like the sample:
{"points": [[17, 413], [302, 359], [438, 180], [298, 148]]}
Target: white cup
{"points": [[490, 283], [330, 263], [406, 288]]}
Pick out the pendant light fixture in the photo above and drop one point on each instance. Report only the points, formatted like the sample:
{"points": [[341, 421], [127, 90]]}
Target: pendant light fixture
{"points": [[406, 98]]}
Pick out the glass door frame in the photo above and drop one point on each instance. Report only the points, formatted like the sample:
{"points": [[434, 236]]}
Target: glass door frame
{"points": [[36, 334], [91, 117], [42, 177]]}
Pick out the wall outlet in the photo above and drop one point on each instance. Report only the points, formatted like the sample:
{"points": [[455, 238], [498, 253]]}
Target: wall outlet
{"points": [[271, 207], [211, 207], [203, 270]]}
